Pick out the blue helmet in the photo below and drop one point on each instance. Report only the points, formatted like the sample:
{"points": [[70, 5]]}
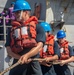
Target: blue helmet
{"points": [[46, 26], [21, 5], [61, 34]]}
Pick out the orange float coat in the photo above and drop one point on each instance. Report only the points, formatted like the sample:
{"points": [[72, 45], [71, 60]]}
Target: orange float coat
{"points": [[50, 50], [64, 50], [23, 35]]}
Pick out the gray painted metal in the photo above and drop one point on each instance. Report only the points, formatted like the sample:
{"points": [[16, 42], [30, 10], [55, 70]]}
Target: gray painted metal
{"points": [[43, 7]]}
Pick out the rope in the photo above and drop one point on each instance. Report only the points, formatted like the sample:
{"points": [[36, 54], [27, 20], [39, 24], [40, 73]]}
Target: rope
{"points": [[6, 70], [38, 59], [35, 59], [16, 64]]}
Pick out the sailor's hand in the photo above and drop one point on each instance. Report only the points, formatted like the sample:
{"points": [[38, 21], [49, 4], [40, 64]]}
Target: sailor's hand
{"points": [[24, 59], [47, 59], [45, 64], [62, 62]]}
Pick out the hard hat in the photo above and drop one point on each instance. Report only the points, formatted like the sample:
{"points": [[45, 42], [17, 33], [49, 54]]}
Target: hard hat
{"points": [[61, 34], [46, 26], [21, 5]]}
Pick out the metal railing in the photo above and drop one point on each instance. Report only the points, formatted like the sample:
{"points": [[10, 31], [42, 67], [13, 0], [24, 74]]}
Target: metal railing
{"points": [[4, 27]]}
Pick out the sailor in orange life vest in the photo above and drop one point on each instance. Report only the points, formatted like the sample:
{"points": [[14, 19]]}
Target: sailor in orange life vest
{"points": [[66, 52], [24, 40], [50, 51]]}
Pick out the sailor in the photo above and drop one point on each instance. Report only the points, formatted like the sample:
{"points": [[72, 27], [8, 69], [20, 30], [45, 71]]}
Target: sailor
{"points": [[24, 40], [66, 56], [50, 51]]}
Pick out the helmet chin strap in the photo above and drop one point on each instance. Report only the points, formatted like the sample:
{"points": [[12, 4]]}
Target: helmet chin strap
{"points": [[21, 15]]}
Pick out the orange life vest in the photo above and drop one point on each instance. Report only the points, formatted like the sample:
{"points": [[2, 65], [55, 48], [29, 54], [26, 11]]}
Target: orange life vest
{"points": [[23, 35], [49, 50], [64, 50]]}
